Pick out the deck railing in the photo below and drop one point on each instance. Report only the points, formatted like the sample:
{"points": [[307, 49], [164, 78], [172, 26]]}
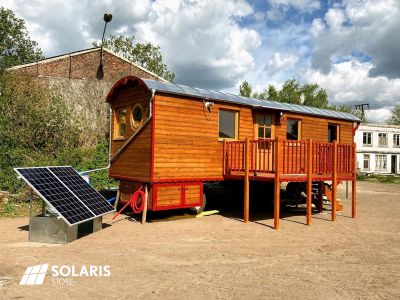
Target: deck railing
{"points": [[293, 157]]}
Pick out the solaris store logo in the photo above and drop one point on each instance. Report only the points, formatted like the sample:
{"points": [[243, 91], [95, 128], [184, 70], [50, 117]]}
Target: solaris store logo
{"points": [[34, 275], [62, 275]]}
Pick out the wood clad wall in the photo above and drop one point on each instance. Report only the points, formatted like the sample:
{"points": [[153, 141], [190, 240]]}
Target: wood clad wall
{"points": [[135, 160], [317, 128], [186, 137]]}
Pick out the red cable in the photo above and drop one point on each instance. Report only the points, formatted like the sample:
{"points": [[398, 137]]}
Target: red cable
{"points": [[133, 202]]}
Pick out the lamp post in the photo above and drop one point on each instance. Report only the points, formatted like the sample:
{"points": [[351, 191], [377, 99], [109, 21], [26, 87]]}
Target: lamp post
{"points": [[100, 72]]}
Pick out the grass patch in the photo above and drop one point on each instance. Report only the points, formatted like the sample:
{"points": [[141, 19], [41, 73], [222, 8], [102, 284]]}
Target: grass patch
{"points": [[18, 206], [379, 178]]}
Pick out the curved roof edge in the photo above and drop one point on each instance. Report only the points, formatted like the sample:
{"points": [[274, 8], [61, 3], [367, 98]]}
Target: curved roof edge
{"points": [[178, 89]]}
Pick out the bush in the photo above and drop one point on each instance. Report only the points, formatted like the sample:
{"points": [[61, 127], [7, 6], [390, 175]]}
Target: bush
{"points": [[38, 129]]}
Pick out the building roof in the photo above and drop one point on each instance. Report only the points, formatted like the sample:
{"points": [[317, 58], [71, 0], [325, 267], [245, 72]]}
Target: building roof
{"points": [[370, 125], [178, 89], [80, 52]]}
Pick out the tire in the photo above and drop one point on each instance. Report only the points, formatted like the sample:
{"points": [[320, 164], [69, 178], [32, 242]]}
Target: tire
{"points": [[199, 209]]}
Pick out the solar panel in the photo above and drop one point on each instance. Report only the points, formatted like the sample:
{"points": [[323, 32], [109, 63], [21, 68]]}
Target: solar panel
{"points": [[71, 197], [88, 195]]}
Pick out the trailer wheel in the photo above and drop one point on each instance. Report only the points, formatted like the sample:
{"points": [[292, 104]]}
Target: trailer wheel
{"points": [[199, 209]]}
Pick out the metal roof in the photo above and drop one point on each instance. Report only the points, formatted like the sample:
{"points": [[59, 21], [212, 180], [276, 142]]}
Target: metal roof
{"points": [[179, 89]]}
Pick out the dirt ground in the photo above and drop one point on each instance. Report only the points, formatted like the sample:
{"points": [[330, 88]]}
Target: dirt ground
{"points": [[221, 257]]}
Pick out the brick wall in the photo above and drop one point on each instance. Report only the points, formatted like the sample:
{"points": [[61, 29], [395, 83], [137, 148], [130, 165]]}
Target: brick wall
{"points": [[84, 66]]}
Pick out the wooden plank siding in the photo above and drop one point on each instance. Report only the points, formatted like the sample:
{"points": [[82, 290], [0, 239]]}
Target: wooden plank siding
{"points": [[186, 137], [316, 128], [135, 160]]}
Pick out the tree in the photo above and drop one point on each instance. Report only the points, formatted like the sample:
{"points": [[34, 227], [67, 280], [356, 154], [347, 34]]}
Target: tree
{"points": [[291, 92], [16, 47], [273, 94], [245, 89], [145, 54], [395, 117], [349, 109], [314, 96]]}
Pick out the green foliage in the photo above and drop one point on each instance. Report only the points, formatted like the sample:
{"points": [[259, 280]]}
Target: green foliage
{"points": [[378, 178], [15, 45], [145, 54], [273, 93], [292, 92], [245, 89], [38, 129], [395, 117], [349, 109]]}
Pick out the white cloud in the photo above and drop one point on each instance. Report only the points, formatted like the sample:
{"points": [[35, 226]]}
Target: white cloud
{"points": [[349, 83], [378, 115], [303, 5], [281, 62], [202, 41], [366, 26]]}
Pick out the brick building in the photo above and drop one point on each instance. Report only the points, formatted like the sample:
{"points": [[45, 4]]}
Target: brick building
{"points": [[83, 65], [73, 77]]}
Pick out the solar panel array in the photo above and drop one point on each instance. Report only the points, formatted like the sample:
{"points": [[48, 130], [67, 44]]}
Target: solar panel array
{"points": [[180, 89], [63, 189]]}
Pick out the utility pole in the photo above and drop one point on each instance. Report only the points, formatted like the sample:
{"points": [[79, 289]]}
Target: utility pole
{"points": [[361, 107]]}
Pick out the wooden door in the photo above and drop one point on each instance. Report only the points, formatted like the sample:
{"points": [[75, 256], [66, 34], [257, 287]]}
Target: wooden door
{"points": [[263, 148]]}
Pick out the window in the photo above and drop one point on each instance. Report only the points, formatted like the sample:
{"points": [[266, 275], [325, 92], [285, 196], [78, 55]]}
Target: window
{"points": [[382, 139], [293, 129], [367, 138], [264, 122], [381, 162], [120, 124], [228, 124], [366, 162], [333, 130], [137, 116], [396, 140]]}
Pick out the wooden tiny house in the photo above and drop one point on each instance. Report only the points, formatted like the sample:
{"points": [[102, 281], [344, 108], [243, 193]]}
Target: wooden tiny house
{"points": [[174, 138]]}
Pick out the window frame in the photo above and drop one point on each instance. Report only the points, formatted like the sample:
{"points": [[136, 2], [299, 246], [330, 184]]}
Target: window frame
{"points": [[135, 124], [396, 140], [264, 126], [236, 124], [379, 139], [371, 137], [299, 131], [382, 158], [368, 156], [117, 128], [337, 132]]}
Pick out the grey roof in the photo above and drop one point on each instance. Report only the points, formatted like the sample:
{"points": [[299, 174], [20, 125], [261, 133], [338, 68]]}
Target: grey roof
{"points": [[179, 89]]}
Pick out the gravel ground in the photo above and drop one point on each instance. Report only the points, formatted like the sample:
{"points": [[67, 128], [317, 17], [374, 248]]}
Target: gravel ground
{"points": [[221, 257]]}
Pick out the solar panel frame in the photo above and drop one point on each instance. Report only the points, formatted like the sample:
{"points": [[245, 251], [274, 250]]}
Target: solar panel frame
{"points": [[63, 214]]}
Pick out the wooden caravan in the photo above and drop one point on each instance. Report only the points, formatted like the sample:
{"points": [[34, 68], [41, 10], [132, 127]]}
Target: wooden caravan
{"points": [[173, 138]]}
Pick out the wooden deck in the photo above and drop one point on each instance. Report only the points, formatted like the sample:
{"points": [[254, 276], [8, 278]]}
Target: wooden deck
{"points": [[290, 161]]}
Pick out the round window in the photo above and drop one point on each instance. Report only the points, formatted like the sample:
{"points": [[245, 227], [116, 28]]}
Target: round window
{"points": [[137, 116]]}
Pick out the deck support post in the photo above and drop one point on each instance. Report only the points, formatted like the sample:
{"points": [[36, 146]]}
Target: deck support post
{"points": [[146, 197], [353, 184], [246, 182], [334, 180], [309, 181], [277, 185]]}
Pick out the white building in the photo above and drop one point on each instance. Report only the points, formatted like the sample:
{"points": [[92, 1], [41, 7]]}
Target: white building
{"points": [[378, 148]]}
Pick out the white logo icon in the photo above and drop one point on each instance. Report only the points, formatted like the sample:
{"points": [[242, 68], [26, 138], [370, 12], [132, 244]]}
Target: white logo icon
{"points": [[34, 275]]}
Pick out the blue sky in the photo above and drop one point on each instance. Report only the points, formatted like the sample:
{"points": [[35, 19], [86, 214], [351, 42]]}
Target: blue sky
{"points": [[348, 47]]}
